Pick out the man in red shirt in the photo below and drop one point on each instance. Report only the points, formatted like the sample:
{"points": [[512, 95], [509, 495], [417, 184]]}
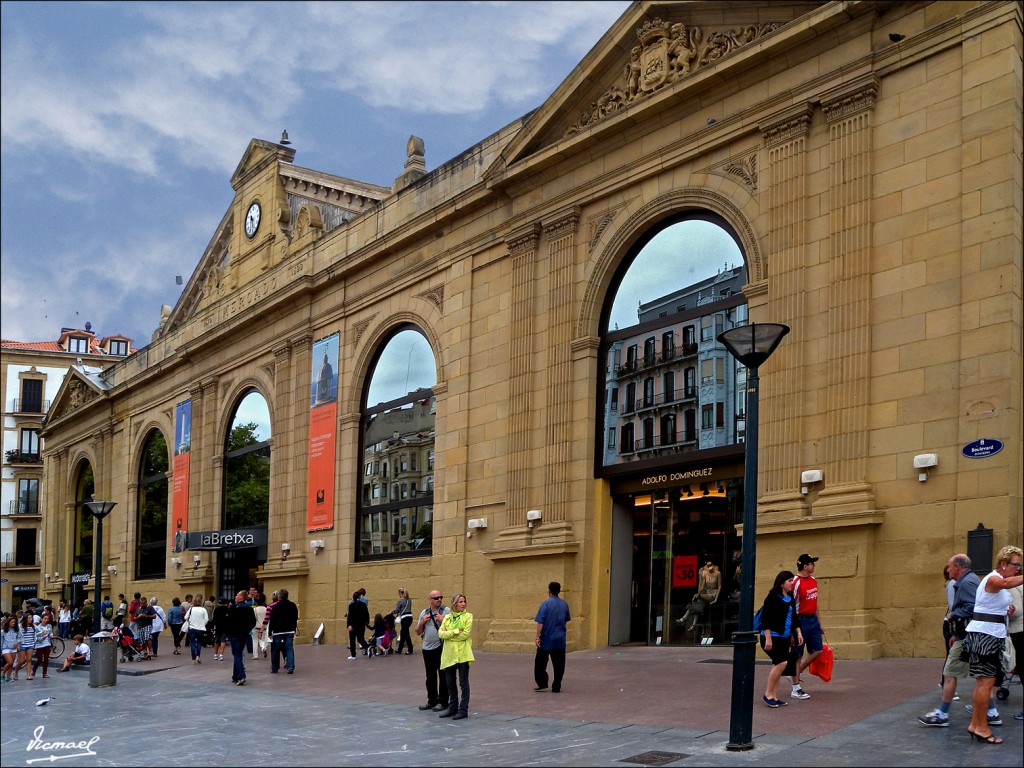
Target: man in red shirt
{"points": [[805, 590]]}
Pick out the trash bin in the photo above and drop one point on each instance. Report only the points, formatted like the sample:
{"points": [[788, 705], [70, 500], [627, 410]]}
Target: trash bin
{"points": [[103, 664]]}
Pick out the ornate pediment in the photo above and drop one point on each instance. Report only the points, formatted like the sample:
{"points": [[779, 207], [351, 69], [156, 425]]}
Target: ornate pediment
{"points": [[655, 48], [664, 54], [76, 391]]}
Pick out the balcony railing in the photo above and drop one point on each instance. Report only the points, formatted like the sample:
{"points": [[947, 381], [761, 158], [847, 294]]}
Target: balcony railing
{"points": [[22, 507], [30, 560], [15, 456], [19, 405], [649, 444], [664, 398], [667, 355]]}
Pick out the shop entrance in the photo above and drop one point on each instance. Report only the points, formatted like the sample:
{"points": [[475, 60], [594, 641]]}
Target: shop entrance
{"points": [[684, 546], [238, 569]]}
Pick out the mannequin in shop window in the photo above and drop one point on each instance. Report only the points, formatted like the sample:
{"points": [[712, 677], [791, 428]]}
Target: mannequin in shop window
{"points": [[708, 589]]}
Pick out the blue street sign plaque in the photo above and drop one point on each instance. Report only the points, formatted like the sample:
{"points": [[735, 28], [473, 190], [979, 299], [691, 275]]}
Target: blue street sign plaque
{"points": [[983, 448]]}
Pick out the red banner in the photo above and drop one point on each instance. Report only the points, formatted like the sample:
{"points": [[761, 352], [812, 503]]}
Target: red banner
{"points": [[179, 499], [322, 446]]}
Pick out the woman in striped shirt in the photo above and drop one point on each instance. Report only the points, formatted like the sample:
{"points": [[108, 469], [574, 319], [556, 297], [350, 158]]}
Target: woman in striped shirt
{"points": [[26, 644]]}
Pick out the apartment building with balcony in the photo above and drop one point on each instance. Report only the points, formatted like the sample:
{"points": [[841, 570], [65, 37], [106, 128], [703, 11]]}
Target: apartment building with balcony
{"points": [[31, 373]]}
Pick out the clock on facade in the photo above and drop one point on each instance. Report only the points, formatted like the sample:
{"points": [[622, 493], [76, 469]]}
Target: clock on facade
{"points": [[252, 220]]}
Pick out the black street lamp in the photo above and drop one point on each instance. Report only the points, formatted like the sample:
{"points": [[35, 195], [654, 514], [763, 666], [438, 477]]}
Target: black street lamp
{"points": [[750, 344], [99, 510]]}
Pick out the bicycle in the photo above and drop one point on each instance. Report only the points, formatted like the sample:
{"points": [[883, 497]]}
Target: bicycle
{"points": [[57, 644]]}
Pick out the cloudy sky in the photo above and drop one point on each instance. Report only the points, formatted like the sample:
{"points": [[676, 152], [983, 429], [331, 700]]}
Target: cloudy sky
{"points": [[121, 124]]}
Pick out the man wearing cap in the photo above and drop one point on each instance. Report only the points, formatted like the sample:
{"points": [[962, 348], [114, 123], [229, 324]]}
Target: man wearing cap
{"points": [[805, 590]]}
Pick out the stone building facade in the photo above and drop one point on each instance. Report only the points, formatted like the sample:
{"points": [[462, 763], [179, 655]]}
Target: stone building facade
{"points": [[864, 156], [31, 373]]}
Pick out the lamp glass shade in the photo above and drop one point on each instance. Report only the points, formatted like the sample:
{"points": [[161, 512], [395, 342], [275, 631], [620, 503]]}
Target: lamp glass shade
{"points": [[753, 343], [99, 509]]}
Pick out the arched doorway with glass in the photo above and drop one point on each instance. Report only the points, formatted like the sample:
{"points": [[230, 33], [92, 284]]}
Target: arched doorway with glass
{"points": [[82, 540], [242, 548], [151, 525], [671, 432], [396, 484]]}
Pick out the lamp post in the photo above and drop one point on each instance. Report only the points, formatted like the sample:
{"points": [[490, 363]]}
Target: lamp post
{"points": [[750, 344], [99, 510]]}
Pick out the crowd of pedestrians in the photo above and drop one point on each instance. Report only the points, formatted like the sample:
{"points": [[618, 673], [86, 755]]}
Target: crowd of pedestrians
{"points": [[983, 615]]}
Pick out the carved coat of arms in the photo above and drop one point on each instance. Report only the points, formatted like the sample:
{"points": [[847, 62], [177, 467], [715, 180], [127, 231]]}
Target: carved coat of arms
{"points": [[654, 60]]}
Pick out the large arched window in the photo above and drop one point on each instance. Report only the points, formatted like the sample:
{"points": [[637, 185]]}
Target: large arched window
{"points": [[82, 537], [683, 281], [151, 540], [396, 498], [247, 464]]}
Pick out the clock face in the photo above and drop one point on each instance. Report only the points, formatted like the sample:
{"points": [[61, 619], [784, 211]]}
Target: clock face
{"points": [[252, 220]]}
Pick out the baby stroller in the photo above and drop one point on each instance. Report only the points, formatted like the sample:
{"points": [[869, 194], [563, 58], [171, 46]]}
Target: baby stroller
{"points": [[131, 649], [384, 644]]}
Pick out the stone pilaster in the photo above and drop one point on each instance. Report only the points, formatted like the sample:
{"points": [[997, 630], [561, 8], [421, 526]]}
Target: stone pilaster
{"points": [[208, 465], [560, 233], [848, 111], [522, 247], [781, 402]]}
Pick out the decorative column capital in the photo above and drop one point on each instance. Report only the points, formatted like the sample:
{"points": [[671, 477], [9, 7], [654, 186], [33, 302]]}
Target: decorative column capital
{"points": [[562, 224], [523, 239], [850, 98], [791, 123]]}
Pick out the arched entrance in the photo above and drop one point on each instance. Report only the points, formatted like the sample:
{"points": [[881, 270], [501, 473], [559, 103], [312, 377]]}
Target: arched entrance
{"points": [[242, 547], [670, 441]]}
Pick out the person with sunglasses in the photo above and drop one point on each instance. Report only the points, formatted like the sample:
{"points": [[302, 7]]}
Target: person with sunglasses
{"points": [[426, 628], [986, 636]]}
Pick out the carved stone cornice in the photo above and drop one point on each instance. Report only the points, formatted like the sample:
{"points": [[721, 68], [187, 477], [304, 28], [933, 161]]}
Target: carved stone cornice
{"points": [[563, 225], [850, 98], [666, 54], [586, 344], [282, 351], [523, 240], [790, 124]]}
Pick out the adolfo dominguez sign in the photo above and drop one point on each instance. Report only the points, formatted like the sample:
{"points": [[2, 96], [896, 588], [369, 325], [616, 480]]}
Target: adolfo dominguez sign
{"points": [[239, 538]]}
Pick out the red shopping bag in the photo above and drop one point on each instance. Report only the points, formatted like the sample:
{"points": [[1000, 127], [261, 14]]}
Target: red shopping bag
{"points": [[822, 666]]}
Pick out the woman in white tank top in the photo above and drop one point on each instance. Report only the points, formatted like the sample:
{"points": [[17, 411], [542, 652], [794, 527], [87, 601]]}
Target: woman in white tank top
{"points": [[986, 635]]}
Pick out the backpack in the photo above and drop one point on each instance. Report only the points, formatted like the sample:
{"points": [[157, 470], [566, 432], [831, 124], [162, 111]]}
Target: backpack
{"points": [[108, 611], [757, 619]]}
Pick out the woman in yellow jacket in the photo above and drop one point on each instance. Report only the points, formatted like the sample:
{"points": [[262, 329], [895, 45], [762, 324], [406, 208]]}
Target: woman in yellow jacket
{"points": [[456, 655]]}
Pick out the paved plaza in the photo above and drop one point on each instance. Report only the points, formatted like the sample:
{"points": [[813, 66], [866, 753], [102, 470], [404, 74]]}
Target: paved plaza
{"points": [[619, 707]]}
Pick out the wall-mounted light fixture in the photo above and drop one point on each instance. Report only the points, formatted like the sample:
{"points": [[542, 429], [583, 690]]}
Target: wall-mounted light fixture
{"points": [[316, 545], [532, 516], [195, 561], [112, 569], [478, 522], [808, 478], [46, 577], [285, 549], [176, 561], [922, 462]]}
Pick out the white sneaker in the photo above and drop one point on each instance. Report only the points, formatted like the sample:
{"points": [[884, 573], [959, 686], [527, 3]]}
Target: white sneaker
{"points": [[351, 658], [800, 693]]}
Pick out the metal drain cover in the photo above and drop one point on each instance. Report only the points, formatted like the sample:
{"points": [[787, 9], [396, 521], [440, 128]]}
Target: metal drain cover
{"points": [[654, 758]]}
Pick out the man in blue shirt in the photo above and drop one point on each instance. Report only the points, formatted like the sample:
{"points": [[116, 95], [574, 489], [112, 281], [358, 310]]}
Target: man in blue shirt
{"points": [[552, 616]]}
